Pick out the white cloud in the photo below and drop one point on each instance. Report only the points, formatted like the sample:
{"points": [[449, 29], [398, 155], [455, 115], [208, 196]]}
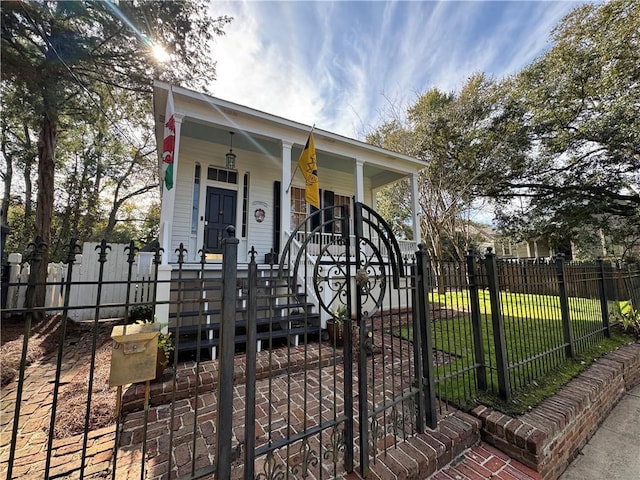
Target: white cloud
{"points": [[254, 69], [339, 64]]}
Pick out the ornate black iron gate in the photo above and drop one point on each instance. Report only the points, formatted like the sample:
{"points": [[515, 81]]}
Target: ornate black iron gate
{"points": [[304, 407], [338, 404]]}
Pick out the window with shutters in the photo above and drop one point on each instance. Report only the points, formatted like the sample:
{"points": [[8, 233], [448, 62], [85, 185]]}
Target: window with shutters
{"points": [[339, 213], [196, 200], [298, 206]]}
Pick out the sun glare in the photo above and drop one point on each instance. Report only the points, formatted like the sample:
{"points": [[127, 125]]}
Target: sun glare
{"points": [[159, 53]]}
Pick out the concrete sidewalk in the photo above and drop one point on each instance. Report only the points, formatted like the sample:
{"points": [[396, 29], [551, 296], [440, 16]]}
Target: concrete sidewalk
{"points": [[613, 453]]}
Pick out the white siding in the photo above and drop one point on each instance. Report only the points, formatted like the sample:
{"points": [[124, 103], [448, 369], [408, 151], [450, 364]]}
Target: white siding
{"points": [[263, 172], [261, 177], [181, 222]]}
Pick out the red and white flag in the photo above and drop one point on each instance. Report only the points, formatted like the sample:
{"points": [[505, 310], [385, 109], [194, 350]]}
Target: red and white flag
{"points": [[169, 142]]}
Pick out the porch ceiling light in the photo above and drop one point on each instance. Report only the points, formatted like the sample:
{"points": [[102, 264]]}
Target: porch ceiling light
{"points": [[231, 157]]}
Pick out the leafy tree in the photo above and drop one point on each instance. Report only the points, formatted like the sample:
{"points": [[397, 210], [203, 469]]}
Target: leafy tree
{"points": [[579, 103], [459, 138], [18, 148], [64, 54], [393, 201]]}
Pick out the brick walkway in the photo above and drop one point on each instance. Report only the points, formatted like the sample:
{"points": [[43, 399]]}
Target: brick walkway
{"points": [[452, 451], [35, 413], [418, 457], [485, 462]]}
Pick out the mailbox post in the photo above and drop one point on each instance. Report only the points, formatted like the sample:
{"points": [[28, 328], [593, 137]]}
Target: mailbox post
{"points": [[133, 360]]}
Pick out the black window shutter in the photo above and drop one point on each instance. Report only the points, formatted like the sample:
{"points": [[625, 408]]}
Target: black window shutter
{"points": [[328, 201], [315, 219], [276, 216]]}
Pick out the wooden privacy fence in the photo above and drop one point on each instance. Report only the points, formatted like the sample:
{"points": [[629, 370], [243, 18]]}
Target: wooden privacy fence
{"points": [[83, 285], [530, 276]]}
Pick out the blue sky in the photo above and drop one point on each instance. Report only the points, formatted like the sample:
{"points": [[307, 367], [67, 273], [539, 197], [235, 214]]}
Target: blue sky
{"points": [[344, 66]]}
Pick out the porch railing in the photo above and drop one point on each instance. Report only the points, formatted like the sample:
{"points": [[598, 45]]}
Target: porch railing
{"points": [[407, 247], [305, 273], [330, 243]]}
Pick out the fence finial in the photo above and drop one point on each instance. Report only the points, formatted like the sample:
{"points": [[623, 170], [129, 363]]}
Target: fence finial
{"points": [[38, 246], [131, 250], [102, 248], [181, 251], [74, 249]]}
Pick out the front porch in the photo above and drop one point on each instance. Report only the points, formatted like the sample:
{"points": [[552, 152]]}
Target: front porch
{"points": [[258, 191]]}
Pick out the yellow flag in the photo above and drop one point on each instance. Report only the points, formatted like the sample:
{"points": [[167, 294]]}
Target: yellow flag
{"points": [[309, 168]]}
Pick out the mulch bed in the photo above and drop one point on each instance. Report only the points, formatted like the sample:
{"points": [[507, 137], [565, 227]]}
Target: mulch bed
{"points": [[43, 340], [72, 395]]}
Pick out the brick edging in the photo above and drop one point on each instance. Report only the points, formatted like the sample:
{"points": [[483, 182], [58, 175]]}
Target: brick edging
{"points": [[423, 454], [550, 436], [267, 364]]}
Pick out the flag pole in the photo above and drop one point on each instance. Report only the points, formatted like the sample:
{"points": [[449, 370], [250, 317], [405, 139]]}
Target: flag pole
{"points": [[296, 169]]}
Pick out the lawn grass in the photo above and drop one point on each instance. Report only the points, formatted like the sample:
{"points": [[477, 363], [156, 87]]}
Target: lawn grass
{"points": [[533, 326], [526, 305]]}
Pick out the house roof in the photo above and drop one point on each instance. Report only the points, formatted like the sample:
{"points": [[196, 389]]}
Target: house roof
{"points": [[210, 118]]}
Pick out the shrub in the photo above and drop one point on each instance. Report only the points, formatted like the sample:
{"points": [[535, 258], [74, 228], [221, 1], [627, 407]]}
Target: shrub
{"points": [[139, 313]]}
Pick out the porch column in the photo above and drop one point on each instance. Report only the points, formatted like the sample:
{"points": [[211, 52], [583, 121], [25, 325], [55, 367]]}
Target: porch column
{"points": [[359, 174], [169, 199], [415, 208], [285, 193]]}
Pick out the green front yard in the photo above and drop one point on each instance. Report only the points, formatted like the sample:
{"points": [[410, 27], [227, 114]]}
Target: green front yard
{"points": [[534, 345]]}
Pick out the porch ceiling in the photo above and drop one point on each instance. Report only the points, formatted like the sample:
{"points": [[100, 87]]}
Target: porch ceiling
{"points": [[244, 141]]}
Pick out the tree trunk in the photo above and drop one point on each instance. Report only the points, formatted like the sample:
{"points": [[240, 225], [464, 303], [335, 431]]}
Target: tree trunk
{"points": [[28, 187], [439, 265], [111, 223], [8, 176], [36, 291]]}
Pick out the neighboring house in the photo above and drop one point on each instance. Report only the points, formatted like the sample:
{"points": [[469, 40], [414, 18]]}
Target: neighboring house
{"points": [[506, 248], [600, 245], [487, 236], [253, 194]]}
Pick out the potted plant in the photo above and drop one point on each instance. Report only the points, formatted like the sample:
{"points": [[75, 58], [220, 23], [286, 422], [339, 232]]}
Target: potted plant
{"points": [[630, 318], [165, 347], [335, 326]]}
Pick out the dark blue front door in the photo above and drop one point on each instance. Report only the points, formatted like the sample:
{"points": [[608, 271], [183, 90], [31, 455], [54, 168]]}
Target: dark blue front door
{"points": [[220, 213]]}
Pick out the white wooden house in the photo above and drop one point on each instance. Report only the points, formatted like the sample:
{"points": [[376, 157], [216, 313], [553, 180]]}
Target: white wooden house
{"points": [[253, 195], [252, 192]]}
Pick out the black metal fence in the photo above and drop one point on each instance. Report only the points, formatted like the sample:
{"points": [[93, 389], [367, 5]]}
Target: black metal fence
{"points": [[288, 409], [500, 326], [493, 326]]}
